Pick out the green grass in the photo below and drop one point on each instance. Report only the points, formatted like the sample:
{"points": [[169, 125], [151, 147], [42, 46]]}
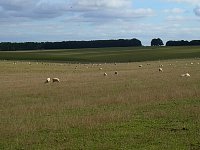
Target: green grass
{"points": [[140, 108], [127, 54]]}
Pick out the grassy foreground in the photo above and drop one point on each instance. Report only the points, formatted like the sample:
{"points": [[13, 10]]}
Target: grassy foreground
{"points": [[125, 54], [140, 108]]}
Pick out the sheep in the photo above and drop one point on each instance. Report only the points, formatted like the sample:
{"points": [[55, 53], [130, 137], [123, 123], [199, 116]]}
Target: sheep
{"points": [[191, 63], [140, 66], [160, 70], [105, 74], [185, 75], [47, 80], [100, 68], [161, 65], [116, 72], [56, 80]]}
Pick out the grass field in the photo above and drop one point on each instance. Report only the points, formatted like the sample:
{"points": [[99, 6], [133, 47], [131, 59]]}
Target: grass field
{"points": [[140, 108], [127, 54]]}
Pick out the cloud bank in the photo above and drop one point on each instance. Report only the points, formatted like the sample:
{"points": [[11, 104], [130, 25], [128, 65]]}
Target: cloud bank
{"points": [[87, 9]]}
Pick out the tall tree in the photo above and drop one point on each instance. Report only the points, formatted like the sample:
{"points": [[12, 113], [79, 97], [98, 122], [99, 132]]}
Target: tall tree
{"points": [[156, 42]]}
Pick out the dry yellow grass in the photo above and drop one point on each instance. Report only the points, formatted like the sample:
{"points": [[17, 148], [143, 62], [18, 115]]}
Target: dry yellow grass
{"points": [[35, 115]]}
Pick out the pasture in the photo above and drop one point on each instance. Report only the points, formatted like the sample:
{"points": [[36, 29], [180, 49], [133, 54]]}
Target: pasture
{"points": [[109, 55], [140, 108]]}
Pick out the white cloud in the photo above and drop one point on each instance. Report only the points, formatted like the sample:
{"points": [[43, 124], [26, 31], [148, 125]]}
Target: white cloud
{"points": [[176, 18], [103, 3], [104, 10], [175, 11], [192, 2], [186, 1]]}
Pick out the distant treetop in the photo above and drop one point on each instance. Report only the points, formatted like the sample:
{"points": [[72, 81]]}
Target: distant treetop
{"points": [[156, 42]]}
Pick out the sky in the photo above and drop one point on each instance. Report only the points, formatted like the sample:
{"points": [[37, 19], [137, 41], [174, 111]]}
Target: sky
{"points": [[67, 20]]}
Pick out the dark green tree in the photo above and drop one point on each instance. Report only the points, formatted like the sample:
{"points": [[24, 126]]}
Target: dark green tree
{"points": [[156, 42]]}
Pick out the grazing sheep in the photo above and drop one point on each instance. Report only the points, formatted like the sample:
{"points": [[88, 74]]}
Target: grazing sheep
{"points": [[56, 80], [160, 70], [182, 75], [191, 63], [47, 80], [100, 68], [116, 72], [161, 65], [105, 74], [185, 75], [140, 66]]}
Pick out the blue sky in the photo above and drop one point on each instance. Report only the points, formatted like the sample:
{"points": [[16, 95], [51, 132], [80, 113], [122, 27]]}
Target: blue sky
{"points": [[62, 20]]}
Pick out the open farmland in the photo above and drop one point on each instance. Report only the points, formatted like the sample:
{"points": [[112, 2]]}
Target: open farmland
{"points": [[109, 55], [140, 108]]}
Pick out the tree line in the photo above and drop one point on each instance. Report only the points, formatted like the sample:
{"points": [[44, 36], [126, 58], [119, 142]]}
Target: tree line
{"points": [[183, 43], [159, 42], [9, 46]]}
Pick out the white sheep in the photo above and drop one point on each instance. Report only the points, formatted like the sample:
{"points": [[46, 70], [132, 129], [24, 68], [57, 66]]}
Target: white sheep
{"points": [[140, 66], [160, 70], [105, 74], [185, 75], [161, 65], [100, 68], [56, 80], [47, 80]]}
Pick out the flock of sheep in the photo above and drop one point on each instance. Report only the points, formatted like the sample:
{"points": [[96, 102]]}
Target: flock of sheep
{"points": [[48, 80], [160, 69]]}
